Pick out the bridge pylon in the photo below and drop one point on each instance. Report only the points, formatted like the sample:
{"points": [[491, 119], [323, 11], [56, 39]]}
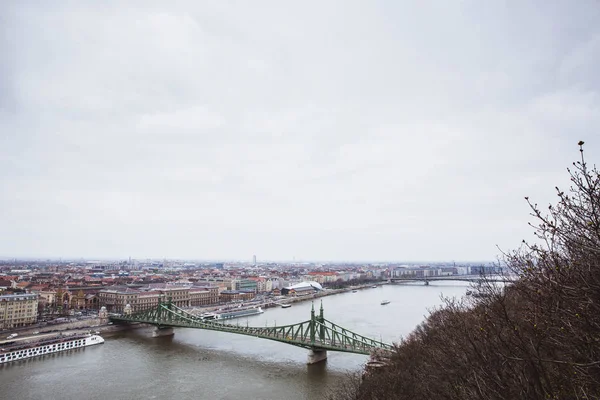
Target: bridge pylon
{"points": [[316, 354], [163, 315], [312, 324]]}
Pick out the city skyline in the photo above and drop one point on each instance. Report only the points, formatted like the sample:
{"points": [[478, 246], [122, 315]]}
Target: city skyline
{"points": [[375, 131], [106, 260]]}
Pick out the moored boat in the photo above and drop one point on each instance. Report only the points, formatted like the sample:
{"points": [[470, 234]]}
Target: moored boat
{"points": [[21, 351], [286, 305], [208, 315], [239, 313]]}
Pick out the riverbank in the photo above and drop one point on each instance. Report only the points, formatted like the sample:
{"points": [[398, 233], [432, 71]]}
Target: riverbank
{"points": [[328, 292], [281, 300], [104, 327], [78, 327]]}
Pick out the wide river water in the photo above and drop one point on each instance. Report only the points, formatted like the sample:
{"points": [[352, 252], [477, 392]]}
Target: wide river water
{"points": [[198, 364]]}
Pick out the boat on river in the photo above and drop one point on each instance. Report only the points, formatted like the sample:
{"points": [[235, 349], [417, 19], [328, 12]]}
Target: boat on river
{"points": [[286, 305], [384, 302], [21, 351], [239, 313], [208, 316]]}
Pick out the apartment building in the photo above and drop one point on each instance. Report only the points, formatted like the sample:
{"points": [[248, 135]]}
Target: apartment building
{"points": [[18, 310]]}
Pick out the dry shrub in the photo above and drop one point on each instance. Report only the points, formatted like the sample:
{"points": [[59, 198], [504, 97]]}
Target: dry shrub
{"points": [[537, 338]]}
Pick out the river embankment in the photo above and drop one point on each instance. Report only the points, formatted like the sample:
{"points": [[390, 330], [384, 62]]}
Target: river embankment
{"points": [[281, 300], [91, 325], [106, 328]]}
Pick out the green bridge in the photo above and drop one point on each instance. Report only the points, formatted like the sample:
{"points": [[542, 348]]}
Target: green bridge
{"points": [[316, 334]]}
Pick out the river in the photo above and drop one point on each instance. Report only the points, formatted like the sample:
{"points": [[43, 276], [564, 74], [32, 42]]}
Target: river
{"points": [[198, 364]]}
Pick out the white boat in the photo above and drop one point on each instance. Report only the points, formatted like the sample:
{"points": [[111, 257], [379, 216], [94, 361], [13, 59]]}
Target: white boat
{"points": [[21, 351], [208, 315], [239, 313], [286, 305], [384, 302]]}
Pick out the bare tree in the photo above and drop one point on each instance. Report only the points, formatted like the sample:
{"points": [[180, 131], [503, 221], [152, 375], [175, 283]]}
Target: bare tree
{"points": [[536, 338]]}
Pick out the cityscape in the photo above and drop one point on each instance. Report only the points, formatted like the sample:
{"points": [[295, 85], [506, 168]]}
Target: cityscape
{"points": [[57, 291], [369, 200]]}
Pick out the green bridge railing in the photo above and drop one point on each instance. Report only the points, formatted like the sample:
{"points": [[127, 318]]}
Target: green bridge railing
{"points": [[317, 333]]}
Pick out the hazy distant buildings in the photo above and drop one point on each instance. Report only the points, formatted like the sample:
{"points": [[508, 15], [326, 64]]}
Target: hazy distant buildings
{"points": [[485, 269]]}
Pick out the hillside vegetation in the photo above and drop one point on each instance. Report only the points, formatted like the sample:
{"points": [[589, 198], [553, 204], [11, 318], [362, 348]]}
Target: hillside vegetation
{"points": [[538, 338]]}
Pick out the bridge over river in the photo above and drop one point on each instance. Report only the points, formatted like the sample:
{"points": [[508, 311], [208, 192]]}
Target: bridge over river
{"points": [[460, 278], [317, 334]]}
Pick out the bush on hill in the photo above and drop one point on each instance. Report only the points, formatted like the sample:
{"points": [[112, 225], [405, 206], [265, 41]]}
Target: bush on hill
{"points": [[537, 338]]}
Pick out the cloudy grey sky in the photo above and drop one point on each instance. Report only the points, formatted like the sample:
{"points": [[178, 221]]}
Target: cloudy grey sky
{"points": [[320, 130]]}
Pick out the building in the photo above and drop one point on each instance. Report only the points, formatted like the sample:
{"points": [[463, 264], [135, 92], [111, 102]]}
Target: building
{"points": [[116, 298], [179, 296], [264, 285], [408, 272], [322, 277], [5, 284], [236, 295], [47, 296], [223, 283], [203, 295], [146, 300], [485, 270], [244, 284], [18, 310], [302, 289], [84, 301]]}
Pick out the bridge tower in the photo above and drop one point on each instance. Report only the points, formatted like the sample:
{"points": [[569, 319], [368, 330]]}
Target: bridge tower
{"points": [[321, 320], [316, 355], [163, 330], [312, 325]]}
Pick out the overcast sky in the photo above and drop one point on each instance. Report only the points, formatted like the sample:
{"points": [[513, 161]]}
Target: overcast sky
{"points": [[314, 130]]}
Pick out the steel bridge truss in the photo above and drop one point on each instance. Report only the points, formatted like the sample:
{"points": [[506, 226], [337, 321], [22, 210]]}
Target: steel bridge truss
{"points": [[317, 333]]}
